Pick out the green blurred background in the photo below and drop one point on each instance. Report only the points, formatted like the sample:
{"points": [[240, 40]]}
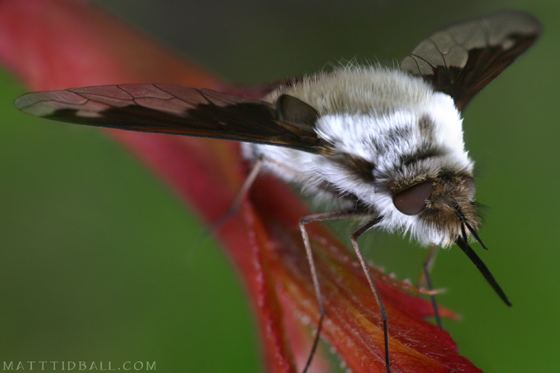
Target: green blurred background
{"points": [[100, 261]]}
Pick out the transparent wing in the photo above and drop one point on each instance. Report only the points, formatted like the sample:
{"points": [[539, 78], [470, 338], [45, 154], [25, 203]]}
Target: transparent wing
{"points": [[173, 110], [464, 58]]}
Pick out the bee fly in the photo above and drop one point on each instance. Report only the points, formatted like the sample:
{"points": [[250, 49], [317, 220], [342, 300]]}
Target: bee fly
{"points": [[384, 143]]}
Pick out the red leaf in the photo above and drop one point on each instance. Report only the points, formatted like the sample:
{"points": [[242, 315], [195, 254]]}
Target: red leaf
{"points": [[59, 44]]}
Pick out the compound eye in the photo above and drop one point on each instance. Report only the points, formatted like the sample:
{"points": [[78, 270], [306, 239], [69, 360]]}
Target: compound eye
{"points": [[412, 201]]}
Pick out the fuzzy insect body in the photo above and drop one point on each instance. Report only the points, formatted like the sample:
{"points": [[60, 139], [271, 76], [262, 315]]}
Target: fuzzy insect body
{"points": [[386, 132]]}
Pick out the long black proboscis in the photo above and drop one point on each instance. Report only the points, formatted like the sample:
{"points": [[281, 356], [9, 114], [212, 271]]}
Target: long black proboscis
{"points": [[483, 269]]}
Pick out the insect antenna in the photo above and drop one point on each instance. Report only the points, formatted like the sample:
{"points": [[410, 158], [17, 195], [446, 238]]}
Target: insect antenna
{"points": [[463, 244], [464, 232], [461, 217], [475, 235]]}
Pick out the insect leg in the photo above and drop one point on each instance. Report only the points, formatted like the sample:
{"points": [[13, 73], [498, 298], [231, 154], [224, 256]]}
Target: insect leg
{"points": [[335, 215], [426, 279], [245, 187], [247, 184], [354, 239]]}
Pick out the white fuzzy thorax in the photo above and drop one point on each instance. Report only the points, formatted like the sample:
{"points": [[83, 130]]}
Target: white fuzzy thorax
{"points": [[374, 114]]}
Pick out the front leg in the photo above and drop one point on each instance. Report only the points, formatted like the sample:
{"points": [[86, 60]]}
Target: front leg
{"points": [[384, 319], [326, 216], [426, 279]]}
